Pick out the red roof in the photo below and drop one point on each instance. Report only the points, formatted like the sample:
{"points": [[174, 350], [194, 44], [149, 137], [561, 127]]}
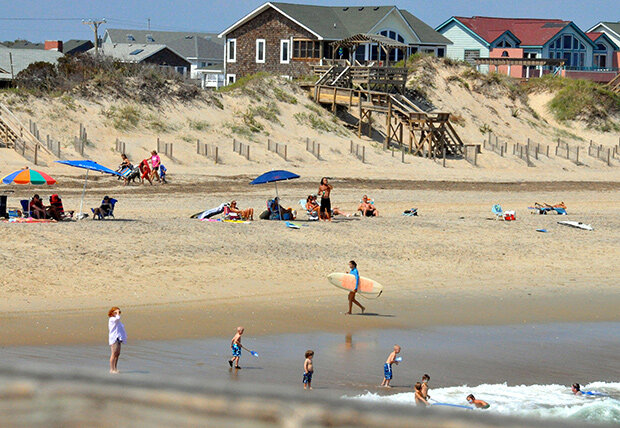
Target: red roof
{"points": [[594, 35], [531, 32]]}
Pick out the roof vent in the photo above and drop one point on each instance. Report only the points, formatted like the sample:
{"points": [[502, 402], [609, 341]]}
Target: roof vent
{"points": [[189, 37], [376, 8], [130, 38], [334, 25], [345, 8], [149, 38], [360, 9]]}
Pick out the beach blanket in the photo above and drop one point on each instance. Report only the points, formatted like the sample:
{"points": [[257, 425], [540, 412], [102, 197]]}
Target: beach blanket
{"points": [[29, 220], [219, 220]]}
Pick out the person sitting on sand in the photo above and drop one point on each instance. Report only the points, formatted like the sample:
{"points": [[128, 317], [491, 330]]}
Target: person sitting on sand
{"points": [[367, 207], [117, 336], [278, 212], [56, 209], [247, 214], [420, 399], [104, 209], [353, 271], [576, 389], [37, 209], [312, 206], [479, 404], [145, 171]]}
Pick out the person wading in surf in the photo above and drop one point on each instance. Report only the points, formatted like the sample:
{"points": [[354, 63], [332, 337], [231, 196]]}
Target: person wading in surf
{"points": [[355, 273]]}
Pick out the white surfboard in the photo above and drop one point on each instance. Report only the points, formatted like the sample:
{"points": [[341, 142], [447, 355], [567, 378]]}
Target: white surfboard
{"points": [[576, 224]]}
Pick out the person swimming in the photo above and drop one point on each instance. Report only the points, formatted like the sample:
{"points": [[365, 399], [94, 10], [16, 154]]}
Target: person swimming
{"points": [[576, 388], [479, 404]]}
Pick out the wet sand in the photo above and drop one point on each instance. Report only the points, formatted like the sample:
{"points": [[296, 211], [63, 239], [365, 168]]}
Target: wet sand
{"points": [[558, 353]]}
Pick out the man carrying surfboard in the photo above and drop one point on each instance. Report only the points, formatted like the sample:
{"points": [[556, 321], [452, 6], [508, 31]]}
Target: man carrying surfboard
{"points": [[355, 273]]}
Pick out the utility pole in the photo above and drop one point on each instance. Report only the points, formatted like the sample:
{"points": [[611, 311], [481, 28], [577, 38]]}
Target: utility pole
{"points": [[94, 25], [148, 23]]}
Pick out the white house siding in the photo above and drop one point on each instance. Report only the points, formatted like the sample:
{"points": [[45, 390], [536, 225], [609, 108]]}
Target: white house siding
{"points": [[393, 21], [462, 41], [614, 38]]}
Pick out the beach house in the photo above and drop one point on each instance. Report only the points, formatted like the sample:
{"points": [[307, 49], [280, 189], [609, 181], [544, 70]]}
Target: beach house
{"points": [[287, 39], [203, 51], [611, 31], [154, 54], [488, 37]]}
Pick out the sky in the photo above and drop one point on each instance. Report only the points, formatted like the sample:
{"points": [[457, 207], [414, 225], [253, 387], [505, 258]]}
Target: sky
{"points": [[62, 19]]}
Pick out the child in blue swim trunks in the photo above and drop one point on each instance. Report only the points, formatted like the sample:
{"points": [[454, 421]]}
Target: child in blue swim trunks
{"points": [[235, 346], [387, 367], [308, 369]]}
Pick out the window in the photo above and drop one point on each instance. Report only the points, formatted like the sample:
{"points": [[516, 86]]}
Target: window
{"points": [[395, 54], [441, 52], [136, 52], [231, 78], [471, 54], [285, 51], [306, 49], [180, 70], [600, 47], [231, 50], [203, 64], [569, 48], [260, 50], [149, 38], [504, 44], [505, 54]]}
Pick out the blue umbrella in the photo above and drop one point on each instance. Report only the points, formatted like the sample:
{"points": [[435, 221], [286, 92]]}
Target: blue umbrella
{"points": [[274, 177], [88, 165]]}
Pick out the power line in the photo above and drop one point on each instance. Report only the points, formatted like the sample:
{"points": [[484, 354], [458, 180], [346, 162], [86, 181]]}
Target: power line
{"points": [[40, 19]]}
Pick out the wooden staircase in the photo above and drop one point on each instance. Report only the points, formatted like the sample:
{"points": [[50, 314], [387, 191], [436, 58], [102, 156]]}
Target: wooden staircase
{"points": [[429, 134], [614, 84], [14, 135]]}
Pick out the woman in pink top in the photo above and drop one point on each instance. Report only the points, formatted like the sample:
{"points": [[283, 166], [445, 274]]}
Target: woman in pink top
{"points": [[155, 162]]}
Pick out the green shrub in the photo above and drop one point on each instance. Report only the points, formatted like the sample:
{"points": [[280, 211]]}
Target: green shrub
{"points": [[123, 118], [283, 96], [198, 125]]}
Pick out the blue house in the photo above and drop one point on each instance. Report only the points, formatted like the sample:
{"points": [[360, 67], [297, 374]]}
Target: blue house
{"points": [[483, 37]]}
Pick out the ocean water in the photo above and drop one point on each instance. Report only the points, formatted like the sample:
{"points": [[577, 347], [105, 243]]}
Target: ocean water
{"points": [[544, 401]]}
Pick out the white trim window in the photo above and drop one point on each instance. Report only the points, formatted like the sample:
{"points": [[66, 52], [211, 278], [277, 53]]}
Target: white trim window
{"points": [[260, 51], [231, 50], [285, 51], [231, 78]]}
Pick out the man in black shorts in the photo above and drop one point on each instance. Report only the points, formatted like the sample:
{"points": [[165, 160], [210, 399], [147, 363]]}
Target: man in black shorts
{"points": [[325, 212]]}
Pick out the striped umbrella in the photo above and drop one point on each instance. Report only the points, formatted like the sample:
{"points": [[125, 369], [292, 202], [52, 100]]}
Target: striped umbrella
{"points": [[28, 176]]}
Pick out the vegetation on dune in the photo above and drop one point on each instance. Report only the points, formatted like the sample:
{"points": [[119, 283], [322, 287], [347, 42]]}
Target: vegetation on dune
{"points": [[584, 100], [95, 77]]}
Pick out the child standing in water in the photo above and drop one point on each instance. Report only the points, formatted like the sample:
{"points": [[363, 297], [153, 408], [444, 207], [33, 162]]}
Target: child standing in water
{"points": [[387, 367], [353, 271], [420, 399], [424, 386], [116, 337], [235, 346], [308, 369]]}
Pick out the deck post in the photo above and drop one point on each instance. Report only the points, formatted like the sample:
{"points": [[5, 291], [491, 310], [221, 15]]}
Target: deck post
{"points": [[369, 123], [334, 101], [388, 126], [359, 124]]}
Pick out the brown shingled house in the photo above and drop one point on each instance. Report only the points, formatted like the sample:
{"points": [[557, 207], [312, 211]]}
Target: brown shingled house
{"points": [[286, 39]]}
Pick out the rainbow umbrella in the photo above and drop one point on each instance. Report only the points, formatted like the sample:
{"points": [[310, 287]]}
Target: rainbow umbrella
{"points": [[28, 176]]}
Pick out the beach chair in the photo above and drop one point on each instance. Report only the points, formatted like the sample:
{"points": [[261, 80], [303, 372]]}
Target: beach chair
{"points": [[109, 213], [229, 215], [25, 203], [312, 215], [497, 210]]}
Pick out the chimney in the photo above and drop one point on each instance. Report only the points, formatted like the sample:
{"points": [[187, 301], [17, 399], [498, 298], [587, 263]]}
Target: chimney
{"points": [[53, 45]]}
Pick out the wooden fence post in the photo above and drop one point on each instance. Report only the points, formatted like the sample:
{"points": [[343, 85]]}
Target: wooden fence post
{"points": [[577, 161], [36, 153], [443, 155]]}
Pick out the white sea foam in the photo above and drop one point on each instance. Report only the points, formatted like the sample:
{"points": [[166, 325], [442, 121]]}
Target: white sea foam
{"points": [[545, 401]]}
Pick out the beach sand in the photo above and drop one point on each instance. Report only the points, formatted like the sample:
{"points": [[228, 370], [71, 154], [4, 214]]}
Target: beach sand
{"points": [[175, 277]]}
